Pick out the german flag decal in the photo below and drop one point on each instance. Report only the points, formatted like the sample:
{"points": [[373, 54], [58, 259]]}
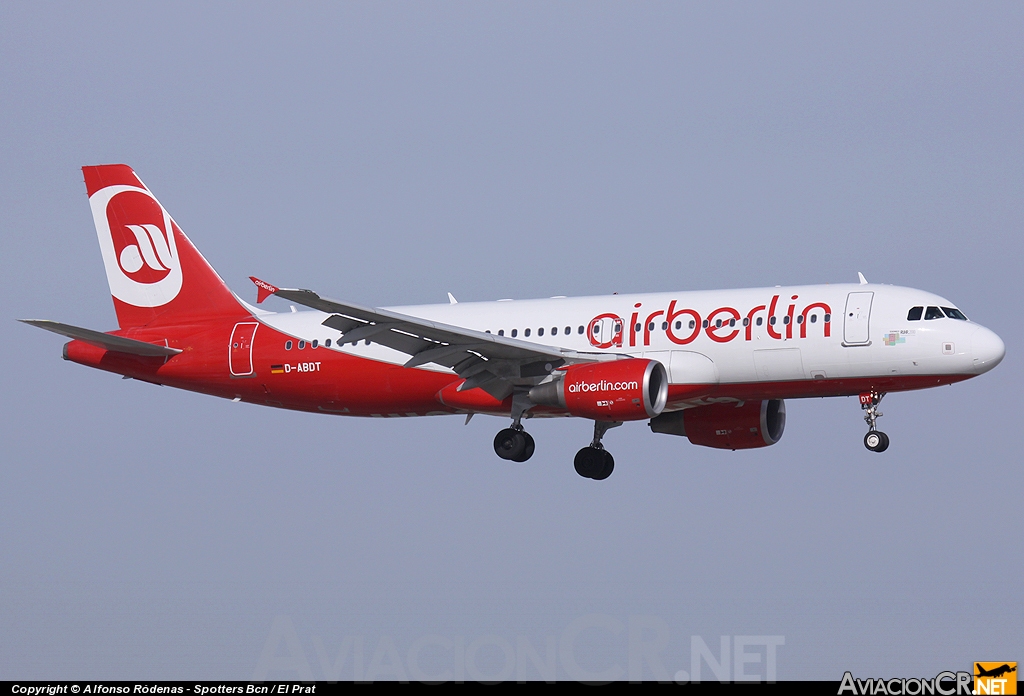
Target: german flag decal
{"points": [[277, 369]]}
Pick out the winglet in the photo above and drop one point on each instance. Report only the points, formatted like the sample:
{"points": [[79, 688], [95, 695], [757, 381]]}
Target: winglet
{"points": [[263, 289], [863, 280]]}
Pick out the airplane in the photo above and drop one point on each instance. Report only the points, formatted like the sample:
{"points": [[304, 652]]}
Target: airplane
{"points": [[995, 672], [713, 366]]}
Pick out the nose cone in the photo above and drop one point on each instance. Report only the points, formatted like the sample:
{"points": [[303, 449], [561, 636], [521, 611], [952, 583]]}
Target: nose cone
{"points": [[987, 349]]}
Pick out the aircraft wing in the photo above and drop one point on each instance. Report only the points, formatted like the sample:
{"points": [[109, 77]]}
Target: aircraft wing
{"points": [[104, 340], [496, 364]]}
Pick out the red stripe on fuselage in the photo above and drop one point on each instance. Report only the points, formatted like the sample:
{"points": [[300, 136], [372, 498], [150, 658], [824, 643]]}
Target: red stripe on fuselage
{"points": [[342, 383], [809, 388], [338, 382]]}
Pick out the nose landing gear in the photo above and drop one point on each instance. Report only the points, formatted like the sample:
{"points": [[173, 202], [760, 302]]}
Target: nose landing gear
{"points": [[595, 462], [875, 440]]}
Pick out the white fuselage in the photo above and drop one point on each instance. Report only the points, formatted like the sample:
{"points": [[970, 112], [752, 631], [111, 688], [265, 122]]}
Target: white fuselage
{"points": [[742, 336]]}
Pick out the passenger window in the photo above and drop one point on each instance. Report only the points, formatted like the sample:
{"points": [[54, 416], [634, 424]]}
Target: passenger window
{"points": [[915, 313], [953, 313], [679, 325], [718, 323], [760, 320], [732, 322], [814, 318], [693, 324], [746, 321], [664, 326], [568, 330], [828, 318], [785, 320], [554, 331], [302, 344], [526, 332], [933, 313], [315, 343], [514, 332], [501, 332], [650, 327], [704, 324], [800, 319], [540, 331], [287, 345], [580, 330], [771, 320], [327, 343]]}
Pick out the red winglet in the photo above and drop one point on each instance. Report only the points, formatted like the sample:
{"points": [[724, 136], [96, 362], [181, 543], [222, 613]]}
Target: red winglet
{"points": [[263, 289]]}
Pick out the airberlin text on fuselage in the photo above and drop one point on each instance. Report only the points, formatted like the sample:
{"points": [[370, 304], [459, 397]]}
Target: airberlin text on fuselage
{"points": [[603, 386], [684, 325]]}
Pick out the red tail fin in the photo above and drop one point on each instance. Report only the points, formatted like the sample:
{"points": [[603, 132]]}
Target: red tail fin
{"points": [[156, 275]]}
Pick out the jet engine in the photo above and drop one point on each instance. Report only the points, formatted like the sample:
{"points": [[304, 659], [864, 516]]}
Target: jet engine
{"points": [[742, 425], [618, 390]]}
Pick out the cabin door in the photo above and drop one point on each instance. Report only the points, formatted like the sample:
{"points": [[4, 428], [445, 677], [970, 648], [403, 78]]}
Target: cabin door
{"points": [[856, 320], [240, 349]]}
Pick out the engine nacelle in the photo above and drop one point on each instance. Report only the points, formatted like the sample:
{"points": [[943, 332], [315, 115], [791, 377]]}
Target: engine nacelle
{"points": [[618, 390], [732, 426]]}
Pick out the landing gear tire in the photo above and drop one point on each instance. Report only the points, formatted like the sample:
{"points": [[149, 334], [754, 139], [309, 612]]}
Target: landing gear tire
{"points": [[514, 445], [876, 441], [594, 463], [527, 448], [607, 466], [509, 444]]}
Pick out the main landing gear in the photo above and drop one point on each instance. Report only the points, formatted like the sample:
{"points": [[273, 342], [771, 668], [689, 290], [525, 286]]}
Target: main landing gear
{"points": [[875, 440], [595, 462], [515, 444]]}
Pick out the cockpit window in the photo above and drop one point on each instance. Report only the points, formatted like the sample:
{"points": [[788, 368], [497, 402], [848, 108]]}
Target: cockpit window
{"points": [[934, 313], [915, 313], [954, 313]]}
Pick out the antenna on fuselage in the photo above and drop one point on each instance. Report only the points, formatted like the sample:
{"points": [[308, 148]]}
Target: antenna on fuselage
{"points": [[863, 280]]}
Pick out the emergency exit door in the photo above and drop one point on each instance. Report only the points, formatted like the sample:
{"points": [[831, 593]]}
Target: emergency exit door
{"points": [[857, 319]]}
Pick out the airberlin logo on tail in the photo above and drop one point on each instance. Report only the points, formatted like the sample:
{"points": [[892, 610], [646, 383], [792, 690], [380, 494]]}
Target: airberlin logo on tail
{"points": [[152, 250], [137, 241]]}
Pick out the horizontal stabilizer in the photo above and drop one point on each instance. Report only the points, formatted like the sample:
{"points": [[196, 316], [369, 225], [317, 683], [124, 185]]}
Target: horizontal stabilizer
{"points": [[104, 340]]}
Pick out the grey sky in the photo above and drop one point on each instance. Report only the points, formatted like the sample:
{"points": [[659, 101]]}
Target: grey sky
{"points": [[390, 153]]}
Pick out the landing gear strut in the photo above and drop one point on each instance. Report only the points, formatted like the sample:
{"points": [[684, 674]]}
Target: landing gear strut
{"points": [[595, 462], [875, 440], [515, 444]]}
